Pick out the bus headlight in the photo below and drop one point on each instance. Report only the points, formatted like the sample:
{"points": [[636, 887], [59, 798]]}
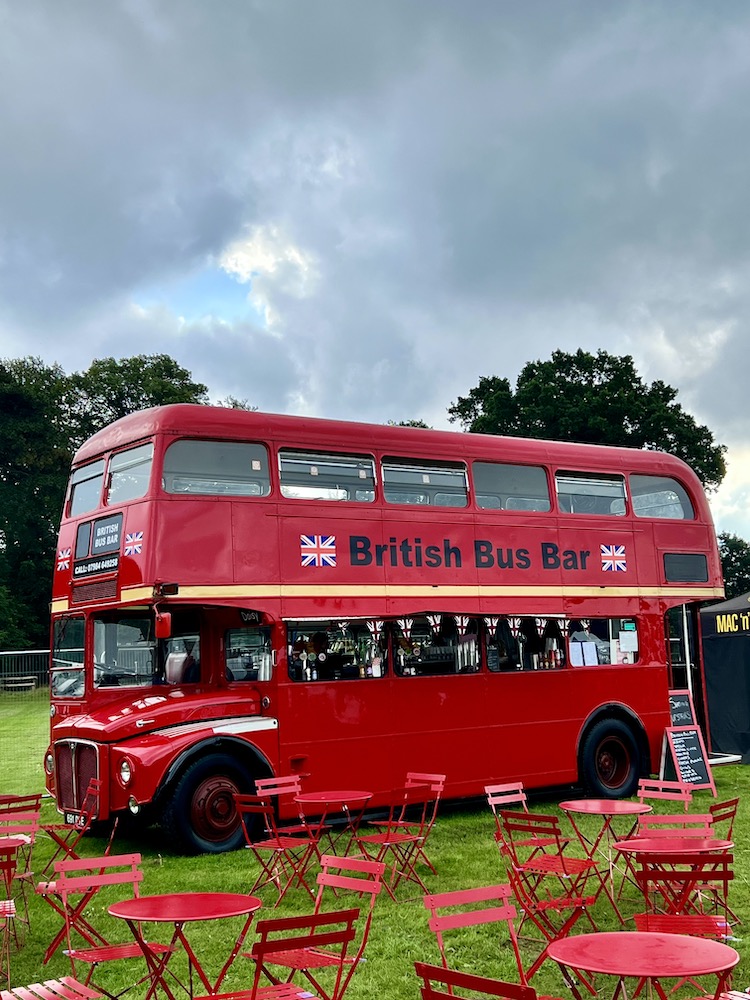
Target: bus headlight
{"points": [[126, 771], [49, 762], [133, 805]]}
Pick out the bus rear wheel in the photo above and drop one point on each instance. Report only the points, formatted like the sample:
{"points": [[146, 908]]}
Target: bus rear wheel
{"points": [[200, 815], [610, 760]]}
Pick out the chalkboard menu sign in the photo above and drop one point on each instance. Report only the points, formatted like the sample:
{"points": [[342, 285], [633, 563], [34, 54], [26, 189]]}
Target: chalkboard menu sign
{"points": [[687, 760], [681, 708]]}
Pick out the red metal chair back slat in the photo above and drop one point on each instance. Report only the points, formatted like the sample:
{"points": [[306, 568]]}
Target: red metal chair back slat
{"points": [[439, 983], [658, 789], [675, 825]]}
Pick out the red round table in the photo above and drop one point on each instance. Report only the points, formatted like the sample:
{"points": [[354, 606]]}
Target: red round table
{"points": [[672, 845], [180, 908], [349, 802], [645, 956], [608, 810]]}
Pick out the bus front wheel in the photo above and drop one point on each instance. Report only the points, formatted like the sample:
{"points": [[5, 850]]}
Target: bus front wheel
{"points": [[610, 760], [200, 815]]}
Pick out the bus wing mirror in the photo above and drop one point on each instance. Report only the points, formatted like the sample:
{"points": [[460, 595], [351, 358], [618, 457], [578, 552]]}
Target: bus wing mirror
{"points": [[163, 624]]}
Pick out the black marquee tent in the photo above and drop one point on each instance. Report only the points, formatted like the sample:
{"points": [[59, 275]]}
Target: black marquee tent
{"points": [[726, 655]]}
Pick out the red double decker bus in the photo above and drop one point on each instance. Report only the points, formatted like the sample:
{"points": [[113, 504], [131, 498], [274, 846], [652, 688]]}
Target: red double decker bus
{"points": [[244, 594]]}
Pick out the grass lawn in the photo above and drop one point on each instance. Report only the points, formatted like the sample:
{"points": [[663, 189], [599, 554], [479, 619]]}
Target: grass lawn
{"points": [[461, 846]]}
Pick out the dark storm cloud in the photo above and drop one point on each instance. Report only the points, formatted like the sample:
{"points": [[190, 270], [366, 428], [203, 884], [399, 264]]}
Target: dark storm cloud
{"points": [[426, 192]]}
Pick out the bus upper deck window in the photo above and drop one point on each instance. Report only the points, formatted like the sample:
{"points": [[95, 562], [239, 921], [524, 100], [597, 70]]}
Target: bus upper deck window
{"points": [[439, 484], [217, 468], [501, 486], [129, 474], [590, 493], [660, 496], [86, 488], [318, 476]]}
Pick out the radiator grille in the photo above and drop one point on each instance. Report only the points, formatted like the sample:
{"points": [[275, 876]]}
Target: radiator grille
{"points": [[98, 591], [76, 763]]}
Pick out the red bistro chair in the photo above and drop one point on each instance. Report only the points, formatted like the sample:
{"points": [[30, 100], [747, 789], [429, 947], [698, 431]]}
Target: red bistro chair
{"points": [[288, 786], [355, 875], [435, 783], [685, 882], [398, 845], [491, 904], [67, 836], [724, 815], [284, 860], [77, 883], [315, 932]]}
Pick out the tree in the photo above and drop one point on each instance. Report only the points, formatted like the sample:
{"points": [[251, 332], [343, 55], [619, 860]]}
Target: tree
{"points": [[44, 416], [112, 388], [597, 399], [34, 463], [735, 564], [409, 423]]}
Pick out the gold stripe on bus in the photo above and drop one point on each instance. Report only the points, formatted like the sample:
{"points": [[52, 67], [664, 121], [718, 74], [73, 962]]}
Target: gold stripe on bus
{"points": [[436, 590], [271, 591]]}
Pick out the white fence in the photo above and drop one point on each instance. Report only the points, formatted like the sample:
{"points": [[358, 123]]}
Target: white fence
{"points": [[24, 670]]}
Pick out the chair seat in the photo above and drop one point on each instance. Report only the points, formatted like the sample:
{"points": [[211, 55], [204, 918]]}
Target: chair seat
{"points": [[557, 864], [388, 838], [280, 843], [66, 988], [277, 991], [113, 952], [561, 903], [306, 958], [7, 908]]}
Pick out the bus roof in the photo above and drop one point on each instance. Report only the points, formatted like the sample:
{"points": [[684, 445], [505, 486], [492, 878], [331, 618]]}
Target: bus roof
{"points": [[196, 420]]}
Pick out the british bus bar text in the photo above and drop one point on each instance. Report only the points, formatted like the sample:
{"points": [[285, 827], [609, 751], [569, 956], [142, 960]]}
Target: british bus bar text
{"points": [[410, 553]]}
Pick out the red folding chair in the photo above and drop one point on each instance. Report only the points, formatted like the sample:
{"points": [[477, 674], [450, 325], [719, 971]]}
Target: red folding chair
{"points": [[438, 983], [658, 789], [19, 819], [501, 797], [77, 883], [723, 815], [398, 844], [284, 860], [332, 933], [8, 867], [287, 787], [340, 875], [685, 883], [67, 836], [66, 988], [7, 914], [491, 904], [435, 783], [703, 925]]}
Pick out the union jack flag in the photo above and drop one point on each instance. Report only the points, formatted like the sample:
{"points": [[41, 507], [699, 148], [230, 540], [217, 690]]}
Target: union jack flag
{"points": [[63, 559], [613, 558], [317, 550], [133, 543]]}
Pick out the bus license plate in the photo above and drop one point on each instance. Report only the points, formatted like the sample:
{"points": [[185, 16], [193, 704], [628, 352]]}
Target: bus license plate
{"points": [[72, 818]]}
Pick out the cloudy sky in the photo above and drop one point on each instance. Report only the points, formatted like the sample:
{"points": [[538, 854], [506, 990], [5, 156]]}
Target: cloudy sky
{"points": [[356, 209]]}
